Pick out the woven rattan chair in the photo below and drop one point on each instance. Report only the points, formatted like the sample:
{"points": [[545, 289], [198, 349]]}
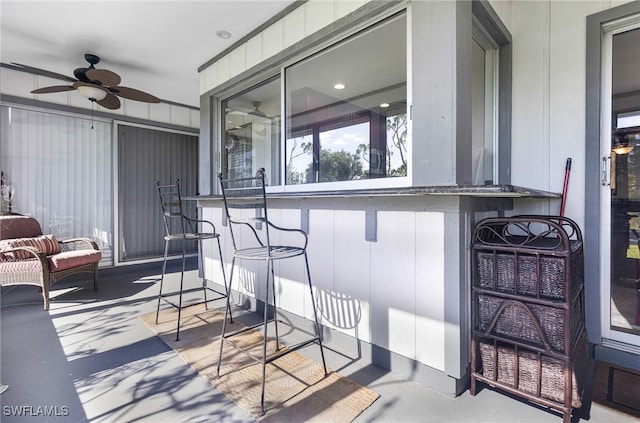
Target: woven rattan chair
{"points": [[182, 229], [246, 206], [27, 257]]}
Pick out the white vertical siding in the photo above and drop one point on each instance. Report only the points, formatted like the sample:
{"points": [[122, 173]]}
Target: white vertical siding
{"points": [[389, 292], [549, 59], [392, 283], [429, 289]]}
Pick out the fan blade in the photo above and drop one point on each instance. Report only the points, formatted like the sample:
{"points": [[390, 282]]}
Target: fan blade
{"points": [[47, 73], [133, 94], [104, 77], [54, 89], [110, 102]]}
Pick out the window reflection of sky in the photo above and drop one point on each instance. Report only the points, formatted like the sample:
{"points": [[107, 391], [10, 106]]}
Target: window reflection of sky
{"points": [[347, 138]]}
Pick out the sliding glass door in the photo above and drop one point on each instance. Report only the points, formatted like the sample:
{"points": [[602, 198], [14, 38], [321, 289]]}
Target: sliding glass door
{"points": [[620, 278]]}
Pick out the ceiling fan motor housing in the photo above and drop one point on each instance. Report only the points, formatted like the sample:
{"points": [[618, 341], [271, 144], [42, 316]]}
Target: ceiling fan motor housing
{"points": [[92, 59]]}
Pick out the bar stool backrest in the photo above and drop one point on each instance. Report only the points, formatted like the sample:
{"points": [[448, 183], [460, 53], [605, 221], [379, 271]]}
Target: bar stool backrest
{"points": [[175, 221], [243, 194]]}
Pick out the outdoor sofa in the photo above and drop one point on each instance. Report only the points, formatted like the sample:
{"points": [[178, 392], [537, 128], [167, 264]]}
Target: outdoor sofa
{"points": [[27, 257]]}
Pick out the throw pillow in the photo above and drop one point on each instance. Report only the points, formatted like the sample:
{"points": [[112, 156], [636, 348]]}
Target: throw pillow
{"points": [[48, 244]]}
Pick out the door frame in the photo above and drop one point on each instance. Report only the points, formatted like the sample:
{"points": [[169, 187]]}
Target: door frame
{"points": [[597, 217]]}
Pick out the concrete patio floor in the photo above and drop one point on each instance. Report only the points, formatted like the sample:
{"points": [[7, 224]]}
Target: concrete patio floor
{"points": [[91, 359]]}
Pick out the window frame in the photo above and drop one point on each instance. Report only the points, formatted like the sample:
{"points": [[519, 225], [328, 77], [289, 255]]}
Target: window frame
{"points": [[362, 19]]}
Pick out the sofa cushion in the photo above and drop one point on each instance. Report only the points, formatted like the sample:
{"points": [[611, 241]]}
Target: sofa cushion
{"points": [[68, 259], [48, 244], [17, 226]]}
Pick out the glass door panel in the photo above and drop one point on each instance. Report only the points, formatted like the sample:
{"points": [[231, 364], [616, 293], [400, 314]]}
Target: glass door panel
{"points": [[623, 320]]}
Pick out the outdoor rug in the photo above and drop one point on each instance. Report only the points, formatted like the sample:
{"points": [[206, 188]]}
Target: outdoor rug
{"points": [[296, 388], [617, 387]]}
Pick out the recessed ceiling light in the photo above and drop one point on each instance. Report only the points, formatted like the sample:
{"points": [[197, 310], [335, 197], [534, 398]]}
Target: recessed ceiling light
{"points": [[339, 86], [384, 105], [223, 34]]}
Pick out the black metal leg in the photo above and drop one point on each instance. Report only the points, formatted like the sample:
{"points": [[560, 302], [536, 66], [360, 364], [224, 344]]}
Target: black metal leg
{"points": [[275, 310], [227, 311], [315, 313], [264, 342], [204, 279], [95, 277], [184, 253], [164, 268], [227, 285]]}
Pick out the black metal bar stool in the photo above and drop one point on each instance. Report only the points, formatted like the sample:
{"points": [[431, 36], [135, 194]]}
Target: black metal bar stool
{"points": [[245, 194], [183, 229]]}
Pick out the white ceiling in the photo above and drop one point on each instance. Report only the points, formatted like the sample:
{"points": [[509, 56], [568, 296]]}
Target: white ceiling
{"points": [[155, 46]]}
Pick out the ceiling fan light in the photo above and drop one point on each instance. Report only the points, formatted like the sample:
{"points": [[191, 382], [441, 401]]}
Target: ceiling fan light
{"points": [[622, 149], [92, 93]]}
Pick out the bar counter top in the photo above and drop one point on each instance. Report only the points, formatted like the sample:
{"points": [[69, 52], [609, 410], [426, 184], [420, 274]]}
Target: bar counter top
{"points": [[487, 191]]}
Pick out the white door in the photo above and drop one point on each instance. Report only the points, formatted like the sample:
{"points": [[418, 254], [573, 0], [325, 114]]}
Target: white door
{"points": [[620, 207]]}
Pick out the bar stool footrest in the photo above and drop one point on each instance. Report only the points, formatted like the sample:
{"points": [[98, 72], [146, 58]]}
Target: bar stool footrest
{"points": [[165, 297]]}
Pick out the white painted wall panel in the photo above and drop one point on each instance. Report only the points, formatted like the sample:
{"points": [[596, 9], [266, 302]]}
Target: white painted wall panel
{"points": [[208, 78], [222, 71], [253, 51], [567, 98], [321, 248], [16, 83], [318, 14], [212, 269], [294, 27], [549, 53], [530, 105], [429, 291], [351, 287], [136, 109], [393, 283], [179, 115], [272, 39], [160, 112], [503, 9], [237, 60], [368, 290], [292, 290]]}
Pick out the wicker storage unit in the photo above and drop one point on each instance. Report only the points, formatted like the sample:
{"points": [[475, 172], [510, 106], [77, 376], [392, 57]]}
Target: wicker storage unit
{"points": [[529, 336]]}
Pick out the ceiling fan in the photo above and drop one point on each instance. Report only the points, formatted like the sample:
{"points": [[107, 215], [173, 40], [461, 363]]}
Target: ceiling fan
{"points": [[97, 85]]}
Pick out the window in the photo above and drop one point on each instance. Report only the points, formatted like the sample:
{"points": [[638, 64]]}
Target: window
{"points": [[346, 109], [251, 132], [483, 103], [341, 113], [627, 120]]}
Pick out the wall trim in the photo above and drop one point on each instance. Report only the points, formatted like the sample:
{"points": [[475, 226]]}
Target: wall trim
{"points": [[15, 101]]}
